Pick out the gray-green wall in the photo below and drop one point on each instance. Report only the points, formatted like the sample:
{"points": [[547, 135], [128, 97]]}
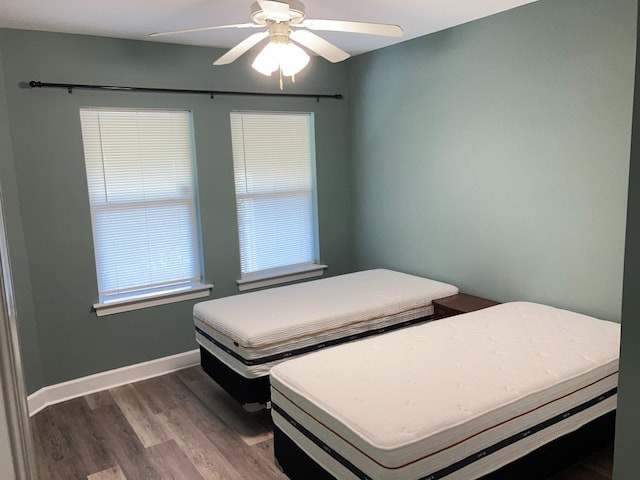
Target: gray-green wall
{"points": [[52, 193], [19, 263], [495, 155]]}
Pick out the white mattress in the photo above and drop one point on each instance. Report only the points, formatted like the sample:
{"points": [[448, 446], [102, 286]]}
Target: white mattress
{"points": [[245, 330], [408, 404]]}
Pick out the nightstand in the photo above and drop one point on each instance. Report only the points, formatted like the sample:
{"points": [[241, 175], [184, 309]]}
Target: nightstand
{"points": [[459, 303]]}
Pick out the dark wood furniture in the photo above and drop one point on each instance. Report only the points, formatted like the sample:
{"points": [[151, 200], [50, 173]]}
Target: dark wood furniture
{"points": [[459, 303]]}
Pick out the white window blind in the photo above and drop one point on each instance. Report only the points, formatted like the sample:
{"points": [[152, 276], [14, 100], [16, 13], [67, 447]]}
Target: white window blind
{"points": [[273, 158], [143, 204]]}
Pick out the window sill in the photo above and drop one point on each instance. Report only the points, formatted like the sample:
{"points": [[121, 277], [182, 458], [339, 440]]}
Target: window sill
{"points": [[152, 300], [267, 279]]}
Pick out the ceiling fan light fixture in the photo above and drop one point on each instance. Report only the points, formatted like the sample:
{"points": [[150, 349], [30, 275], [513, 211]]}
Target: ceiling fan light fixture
{"points": [[287, 57], [281, 54]]}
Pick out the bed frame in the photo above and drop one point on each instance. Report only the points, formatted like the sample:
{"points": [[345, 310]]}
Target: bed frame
{"points": [[244, 390], [537, 465]]}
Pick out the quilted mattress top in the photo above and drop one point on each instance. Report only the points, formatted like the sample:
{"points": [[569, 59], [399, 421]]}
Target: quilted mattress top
{"points": [[278, 314], [401, 394]]}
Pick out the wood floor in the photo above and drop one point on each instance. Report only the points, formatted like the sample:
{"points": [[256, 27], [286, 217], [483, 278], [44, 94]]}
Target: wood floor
{"points": [[179, 426]]}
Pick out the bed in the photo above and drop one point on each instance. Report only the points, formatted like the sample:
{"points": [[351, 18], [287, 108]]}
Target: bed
{"points": [[457, 398], [243, 336]]}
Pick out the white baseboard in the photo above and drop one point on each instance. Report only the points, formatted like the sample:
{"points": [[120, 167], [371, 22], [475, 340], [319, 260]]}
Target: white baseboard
{"points": [[113, 378]]}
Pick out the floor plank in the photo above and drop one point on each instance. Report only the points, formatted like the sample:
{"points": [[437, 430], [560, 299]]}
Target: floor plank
{"points": [[203, 454], [114, 473], [85, 436], [180, 426], [228, 442], [99, 399], [123, 444], [251, 430], [139, 415], [59, 458], [154, 394], [173, 462]]}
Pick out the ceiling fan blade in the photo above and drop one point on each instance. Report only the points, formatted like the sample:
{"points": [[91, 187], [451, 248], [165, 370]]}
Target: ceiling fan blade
{"points": [[241, 48], [202, 29], [384, 29], [319, 45], [278, 11]]}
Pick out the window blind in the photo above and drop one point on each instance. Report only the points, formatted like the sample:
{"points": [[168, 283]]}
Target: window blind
{"points": [[275, 189], [140, 176]]}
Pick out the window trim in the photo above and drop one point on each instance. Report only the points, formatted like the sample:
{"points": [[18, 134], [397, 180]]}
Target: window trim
{"points": [[147, 299], [275, 276]]}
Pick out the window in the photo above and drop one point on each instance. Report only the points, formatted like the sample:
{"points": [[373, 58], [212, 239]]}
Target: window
{"points": [[143, 207], [274, 165]]}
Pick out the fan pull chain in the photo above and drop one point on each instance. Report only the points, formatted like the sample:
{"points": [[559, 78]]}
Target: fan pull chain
{"points": [[281, 84]]}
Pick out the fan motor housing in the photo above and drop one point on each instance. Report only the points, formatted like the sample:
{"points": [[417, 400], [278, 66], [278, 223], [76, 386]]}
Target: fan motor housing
{"points": [[296, 13]]}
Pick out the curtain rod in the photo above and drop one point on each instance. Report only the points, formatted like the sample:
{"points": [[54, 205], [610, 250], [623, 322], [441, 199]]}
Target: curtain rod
{"points": [[211, 93]]}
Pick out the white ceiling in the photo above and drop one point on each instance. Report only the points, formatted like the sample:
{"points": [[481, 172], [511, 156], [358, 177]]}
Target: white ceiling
{"points": [[135, 19]]}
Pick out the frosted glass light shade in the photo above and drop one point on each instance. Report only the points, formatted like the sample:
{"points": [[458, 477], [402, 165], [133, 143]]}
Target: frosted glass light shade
{"points": [[268, 60], [287, 56], [292, 59]]}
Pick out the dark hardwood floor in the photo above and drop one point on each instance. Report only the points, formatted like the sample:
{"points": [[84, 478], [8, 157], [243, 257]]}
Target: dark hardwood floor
{"points": [[179, 426]]}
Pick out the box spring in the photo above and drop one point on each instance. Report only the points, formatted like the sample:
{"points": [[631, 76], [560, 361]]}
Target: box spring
{"points": [[537, 465]]}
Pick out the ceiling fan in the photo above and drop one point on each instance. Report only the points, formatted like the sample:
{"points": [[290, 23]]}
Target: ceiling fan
{"points": [[287, 26]]}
